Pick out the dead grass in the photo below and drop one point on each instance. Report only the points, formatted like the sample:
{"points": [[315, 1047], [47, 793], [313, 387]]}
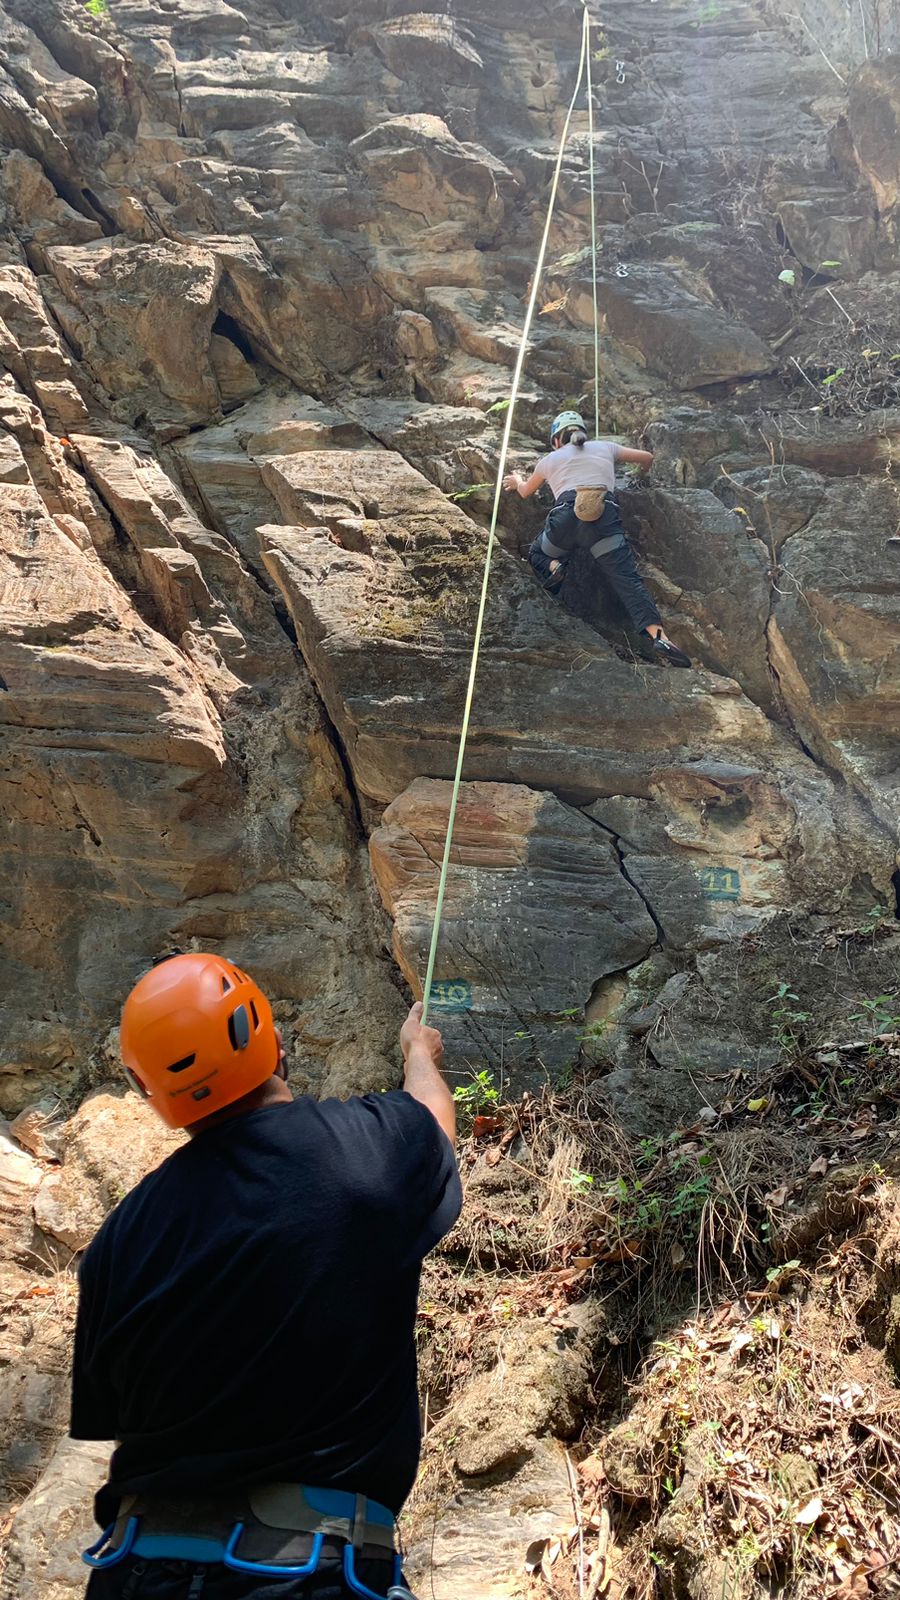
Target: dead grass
{"points": [[745, 1441], [848, 368], [761, 1449]]}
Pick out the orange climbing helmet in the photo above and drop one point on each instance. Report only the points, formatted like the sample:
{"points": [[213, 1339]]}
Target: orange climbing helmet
{"points": [[196, 1035]]}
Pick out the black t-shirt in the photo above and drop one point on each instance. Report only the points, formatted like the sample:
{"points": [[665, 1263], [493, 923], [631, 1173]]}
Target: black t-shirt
{"points": [[247, 1313]]}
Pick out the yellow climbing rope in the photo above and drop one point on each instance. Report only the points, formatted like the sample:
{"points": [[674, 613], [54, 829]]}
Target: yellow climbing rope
{"points": [[593, 187], [583, 65]]}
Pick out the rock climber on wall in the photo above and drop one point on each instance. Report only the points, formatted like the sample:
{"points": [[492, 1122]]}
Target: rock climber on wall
{"points": [[246, 1315], [582, 476]]}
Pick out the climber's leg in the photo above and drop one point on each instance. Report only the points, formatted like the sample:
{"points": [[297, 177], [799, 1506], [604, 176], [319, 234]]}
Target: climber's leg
{"points": [[616, 562], [550, 569], [619, 571], [549, 555]]}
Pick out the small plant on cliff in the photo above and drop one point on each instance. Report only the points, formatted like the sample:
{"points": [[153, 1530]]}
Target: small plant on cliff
{"points": [[97, 8], [580, 1182], [710, 11], [466, 494], [788, 1024], [474, 1098], [876, 918], [595, 1030], [879, 1014]]}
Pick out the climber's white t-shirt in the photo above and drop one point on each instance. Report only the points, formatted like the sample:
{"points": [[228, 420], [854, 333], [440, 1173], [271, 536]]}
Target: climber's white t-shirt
{"points": [[588, 466]]}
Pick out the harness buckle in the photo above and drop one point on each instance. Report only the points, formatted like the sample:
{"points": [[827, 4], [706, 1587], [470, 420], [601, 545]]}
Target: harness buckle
{"points": [[356, 1584], [101, 1554], [233, 1561]]}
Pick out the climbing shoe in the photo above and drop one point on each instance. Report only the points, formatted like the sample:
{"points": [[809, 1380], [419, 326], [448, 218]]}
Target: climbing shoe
{"points": [[665, 651]]}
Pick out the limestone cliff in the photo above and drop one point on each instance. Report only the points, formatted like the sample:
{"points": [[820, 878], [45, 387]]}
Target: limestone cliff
{"points": [[262, 275]]}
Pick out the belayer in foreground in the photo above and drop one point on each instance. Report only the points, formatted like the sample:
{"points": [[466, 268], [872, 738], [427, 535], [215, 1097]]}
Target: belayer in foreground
{"points": [[246, 1314], [582, 475]]}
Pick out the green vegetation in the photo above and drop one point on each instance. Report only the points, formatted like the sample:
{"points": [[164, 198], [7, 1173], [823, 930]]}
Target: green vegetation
{"points": [[476, 1098], [788, 1024], [882, 1014], [580, 1182], [467, 494], [877, 917]]}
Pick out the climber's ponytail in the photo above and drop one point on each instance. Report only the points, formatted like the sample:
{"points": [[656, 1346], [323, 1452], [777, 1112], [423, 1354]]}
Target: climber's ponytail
{"points": [[578, 436]]}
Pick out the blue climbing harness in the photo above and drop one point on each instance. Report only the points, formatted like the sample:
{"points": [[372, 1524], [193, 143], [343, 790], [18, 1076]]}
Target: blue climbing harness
{"points": [[323, 1513]]}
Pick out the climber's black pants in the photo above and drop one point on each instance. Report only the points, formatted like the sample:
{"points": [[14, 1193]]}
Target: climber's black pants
{"points": [[562, 534]]}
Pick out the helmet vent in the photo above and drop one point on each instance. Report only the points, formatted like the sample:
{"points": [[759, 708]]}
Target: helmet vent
{"points": [[227, 985], [254, 1015], [183, 1064], [239, 1028], [239, 975]]}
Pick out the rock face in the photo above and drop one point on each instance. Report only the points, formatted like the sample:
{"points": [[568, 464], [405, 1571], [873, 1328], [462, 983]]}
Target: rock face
{"points": [[528, 872], [51, 1526], [261, 289], [110, 1143]]}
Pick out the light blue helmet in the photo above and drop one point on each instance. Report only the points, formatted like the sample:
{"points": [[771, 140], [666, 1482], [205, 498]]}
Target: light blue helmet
{"points": [[566, 419]]}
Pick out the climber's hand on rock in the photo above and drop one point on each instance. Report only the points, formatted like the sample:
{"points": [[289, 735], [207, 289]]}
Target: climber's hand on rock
{"points": [[511, 481], [415, 1036]]}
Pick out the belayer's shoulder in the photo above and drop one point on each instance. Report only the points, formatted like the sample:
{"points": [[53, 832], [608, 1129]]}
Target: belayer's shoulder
{"points": [[395, 1110]]}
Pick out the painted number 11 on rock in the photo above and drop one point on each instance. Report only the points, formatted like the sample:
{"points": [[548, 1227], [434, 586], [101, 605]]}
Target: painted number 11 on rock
{"points": [[720, 883]]}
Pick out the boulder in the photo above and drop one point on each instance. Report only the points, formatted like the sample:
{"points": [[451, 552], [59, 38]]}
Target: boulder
{"points": [[303, 313], [140, 317], [772, 502], [236, 379], [476, 1542], [13, 466], [833, 639], [109, 1145], [55, 1523], [874, 118], [205, 598], [836, 446], [415, 164], [689, 535], [737, 270], [20, 1176], [223, 463], [26, 128], [428, 44], [828, 227], [65, 1211], [84, 811], [544, 1380], [674, 331], [68, 102], [683, 1048], [34, 354], [537, 909], [38, 1129], [42, 217]]}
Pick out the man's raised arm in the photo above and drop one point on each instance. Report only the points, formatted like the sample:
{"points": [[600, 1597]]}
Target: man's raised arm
{"points": [[423, 1053]]}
